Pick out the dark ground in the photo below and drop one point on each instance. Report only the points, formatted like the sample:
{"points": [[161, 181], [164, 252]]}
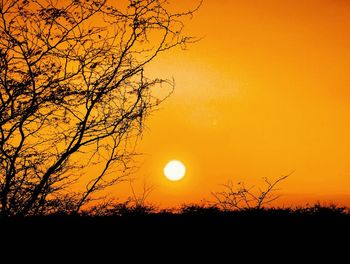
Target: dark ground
{"points": [[317, 231]]}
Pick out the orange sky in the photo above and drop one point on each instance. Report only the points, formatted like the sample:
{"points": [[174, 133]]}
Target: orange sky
{"points": [[266, 92]]}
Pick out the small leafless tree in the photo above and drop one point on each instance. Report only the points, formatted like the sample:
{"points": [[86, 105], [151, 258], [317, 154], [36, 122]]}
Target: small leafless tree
{"points": [[74, 93], [140, 200], [241, 197], [134, 205]]}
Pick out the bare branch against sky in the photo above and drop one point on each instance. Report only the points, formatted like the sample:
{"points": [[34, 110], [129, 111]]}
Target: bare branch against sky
{"points": [[74, 92]]}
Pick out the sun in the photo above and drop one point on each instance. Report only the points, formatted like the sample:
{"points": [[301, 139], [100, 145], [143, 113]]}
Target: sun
{"points": [[174, 170]]}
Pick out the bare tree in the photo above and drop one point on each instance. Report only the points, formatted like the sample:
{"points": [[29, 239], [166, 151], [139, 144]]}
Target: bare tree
{"points": [[240, 197], [135, 205], [140, 200], [74, 93]]}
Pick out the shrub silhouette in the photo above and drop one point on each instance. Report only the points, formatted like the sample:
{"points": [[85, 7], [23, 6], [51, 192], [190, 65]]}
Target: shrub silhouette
{"points": [[241, 197]]}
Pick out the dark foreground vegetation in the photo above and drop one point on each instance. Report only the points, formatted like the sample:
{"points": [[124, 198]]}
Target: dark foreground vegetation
{"points": [[192, 219], [141, 232]]}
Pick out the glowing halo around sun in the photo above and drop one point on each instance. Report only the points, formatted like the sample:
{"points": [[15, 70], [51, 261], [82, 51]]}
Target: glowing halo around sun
{"points": [[174, 170]]}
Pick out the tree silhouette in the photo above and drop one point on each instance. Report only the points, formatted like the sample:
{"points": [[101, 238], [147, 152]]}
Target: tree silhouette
{"points": [[74, 93], [241, 197]]}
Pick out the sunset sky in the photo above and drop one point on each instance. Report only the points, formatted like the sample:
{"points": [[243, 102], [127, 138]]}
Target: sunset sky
{"points": [[264, 93]]}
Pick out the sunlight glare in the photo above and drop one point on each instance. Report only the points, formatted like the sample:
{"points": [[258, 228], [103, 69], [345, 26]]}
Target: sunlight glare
{"points": [[174, 170]]}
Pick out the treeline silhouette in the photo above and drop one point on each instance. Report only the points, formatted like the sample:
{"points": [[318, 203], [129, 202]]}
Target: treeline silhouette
{"points": [[123, 214], [130, 228]]}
